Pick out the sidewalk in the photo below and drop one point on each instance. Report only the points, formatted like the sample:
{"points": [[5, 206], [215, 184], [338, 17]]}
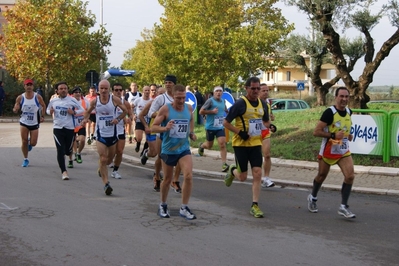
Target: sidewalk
{"points": [[368, 179], [292, 173]]}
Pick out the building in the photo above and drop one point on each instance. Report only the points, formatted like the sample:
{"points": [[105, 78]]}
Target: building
{"points": [[287, 78]]}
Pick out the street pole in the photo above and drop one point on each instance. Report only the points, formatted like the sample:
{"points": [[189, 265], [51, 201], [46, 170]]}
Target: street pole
{"points": [[311, 89], [101, 21]]}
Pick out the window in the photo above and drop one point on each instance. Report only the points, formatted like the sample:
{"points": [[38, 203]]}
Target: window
{"points": [[292, 105], [303, 105], [268, 76], [288, 75]]}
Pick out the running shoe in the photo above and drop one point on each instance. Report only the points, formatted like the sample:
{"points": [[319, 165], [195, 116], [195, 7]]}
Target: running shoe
{"points": [[29, 146], [89, 141], [344, 211], [116, 175], [163, 211], [255, 211], [78, 158], [186, 213], [70, 164], [312, 205], [267, 182], [176, 186], [137, 149], [229, 176], [25, 163], [144, 158], [225, 167], [108, 189], [130, 140], [200, 150], [65, 177]]}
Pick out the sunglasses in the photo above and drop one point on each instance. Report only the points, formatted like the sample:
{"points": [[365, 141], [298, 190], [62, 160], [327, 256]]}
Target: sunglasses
{"points": [[255, 88], [118, 90], [29, 84]]}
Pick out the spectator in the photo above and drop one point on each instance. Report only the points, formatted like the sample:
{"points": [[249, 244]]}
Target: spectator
{"points": [[40, 91], [200, 103], [2, 97]]}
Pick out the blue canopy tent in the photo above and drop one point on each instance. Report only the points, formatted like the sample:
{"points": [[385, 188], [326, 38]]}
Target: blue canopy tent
{"points": [[113, 72]]}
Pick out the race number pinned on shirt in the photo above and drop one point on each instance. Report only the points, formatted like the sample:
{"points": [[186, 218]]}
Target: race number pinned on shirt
{"points": [[218, 121], [255, 127], [340, 147], [62, 112], [179, 129], [105, 121]]}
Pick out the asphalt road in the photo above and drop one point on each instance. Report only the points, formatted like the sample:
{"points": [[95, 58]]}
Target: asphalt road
{"points": [[47, 221]]}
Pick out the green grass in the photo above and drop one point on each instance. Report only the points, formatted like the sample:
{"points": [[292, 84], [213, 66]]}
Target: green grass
{"points": [[294, 138]]}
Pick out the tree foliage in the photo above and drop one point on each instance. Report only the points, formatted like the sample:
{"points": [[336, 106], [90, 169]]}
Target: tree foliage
{"points": [[363, 16], [211, 42], [52, 40], [301, 47]]}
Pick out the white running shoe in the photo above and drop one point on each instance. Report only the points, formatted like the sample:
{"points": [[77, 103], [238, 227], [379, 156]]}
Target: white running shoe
{"points": [[344, 211], [186, 213], [65, 177], [116, 175], [266, 182]]}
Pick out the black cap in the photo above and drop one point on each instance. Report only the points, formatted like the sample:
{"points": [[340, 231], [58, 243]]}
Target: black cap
{"points": [[171, 78], [77, 89]]}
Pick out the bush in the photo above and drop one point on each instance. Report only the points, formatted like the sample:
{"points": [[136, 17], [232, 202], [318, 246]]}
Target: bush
{"points": [[12, 89]]}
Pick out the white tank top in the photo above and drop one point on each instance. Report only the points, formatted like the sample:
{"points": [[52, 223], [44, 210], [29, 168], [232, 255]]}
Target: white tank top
{"points": [[105, 113], [29, 109]]}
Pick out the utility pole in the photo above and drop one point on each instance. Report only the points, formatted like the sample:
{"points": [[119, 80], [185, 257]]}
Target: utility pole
{"points": [[311, 89], [101, 21]]}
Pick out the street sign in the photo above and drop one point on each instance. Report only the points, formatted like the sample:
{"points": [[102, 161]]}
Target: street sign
{"points": [[113, 72], [92, 77], [191, 100], [228, 99], [300, 86]]}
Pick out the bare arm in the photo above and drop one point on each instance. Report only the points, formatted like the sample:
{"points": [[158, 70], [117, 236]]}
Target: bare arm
{"points": [[230, 127], [86, 114], [118, 102], [162, 115], [43, 106], [192, 135], [142, 115], [17, 105], [129, 112], [319, 130]]}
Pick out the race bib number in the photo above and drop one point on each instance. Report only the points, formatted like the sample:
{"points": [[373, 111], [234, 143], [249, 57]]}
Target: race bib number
{"points": [[105, 121], [340, 147], [62, 113], [255, 127], [29, 116], [218, 121], [179, 129]]}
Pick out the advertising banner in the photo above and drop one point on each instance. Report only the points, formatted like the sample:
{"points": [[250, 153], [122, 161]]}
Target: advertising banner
{"points": [[367, 131], [394, 135]]}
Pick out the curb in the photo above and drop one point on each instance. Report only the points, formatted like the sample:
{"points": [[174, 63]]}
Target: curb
{"points": [[285, 183]]}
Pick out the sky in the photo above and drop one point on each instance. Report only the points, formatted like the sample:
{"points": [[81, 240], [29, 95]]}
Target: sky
{"points": [[126, 19]]}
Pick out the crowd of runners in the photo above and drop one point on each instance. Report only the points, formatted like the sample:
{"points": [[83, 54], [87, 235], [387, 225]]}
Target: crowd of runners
{"points": [[159, 122]]}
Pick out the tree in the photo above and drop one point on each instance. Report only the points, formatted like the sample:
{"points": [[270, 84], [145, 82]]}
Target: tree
{"points": [[358, 14], [214, 42], [141, 58], [300, 47], [51, 41]]}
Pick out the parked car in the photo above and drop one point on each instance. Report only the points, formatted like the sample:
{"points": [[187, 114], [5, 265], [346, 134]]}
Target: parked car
{"points": [[289, 105]]}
